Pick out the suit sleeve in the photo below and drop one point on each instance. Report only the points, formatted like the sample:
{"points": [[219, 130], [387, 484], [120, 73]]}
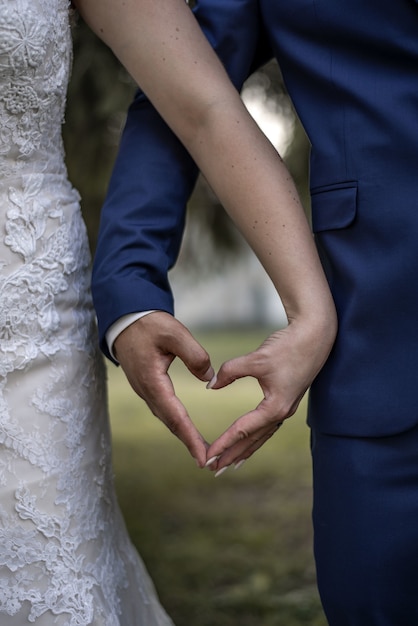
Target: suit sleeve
{"points": [[143, 215]]}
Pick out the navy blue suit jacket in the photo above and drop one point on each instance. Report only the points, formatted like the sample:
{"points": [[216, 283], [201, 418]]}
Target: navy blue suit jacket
{"points": [[351, 68]]}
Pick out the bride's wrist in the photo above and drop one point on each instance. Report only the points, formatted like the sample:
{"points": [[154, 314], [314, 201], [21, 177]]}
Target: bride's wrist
{"points": [[318, 325]]}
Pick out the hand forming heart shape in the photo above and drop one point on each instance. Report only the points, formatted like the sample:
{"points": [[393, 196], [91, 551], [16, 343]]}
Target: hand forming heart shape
{"points": [[284, 365]]}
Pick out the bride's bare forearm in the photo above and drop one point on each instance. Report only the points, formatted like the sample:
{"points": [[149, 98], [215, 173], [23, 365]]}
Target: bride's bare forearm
{"points": [[258, 192]]}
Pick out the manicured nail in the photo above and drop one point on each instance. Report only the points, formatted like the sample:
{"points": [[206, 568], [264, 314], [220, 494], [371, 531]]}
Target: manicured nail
{"points": [[212, 460], [211, 382], [239, 464], [221, 471]]}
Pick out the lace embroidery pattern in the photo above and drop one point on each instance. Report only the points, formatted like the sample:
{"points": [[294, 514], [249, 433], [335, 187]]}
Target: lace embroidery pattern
{"points": [[65, 554], [34, 64]]}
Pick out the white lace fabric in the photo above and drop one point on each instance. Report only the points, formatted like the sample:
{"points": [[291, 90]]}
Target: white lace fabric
{"points": [[65, 557]]}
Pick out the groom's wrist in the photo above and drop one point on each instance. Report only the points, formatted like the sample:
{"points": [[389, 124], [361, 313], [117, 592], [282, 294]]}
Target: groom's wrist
{"points": [[119, 326]]}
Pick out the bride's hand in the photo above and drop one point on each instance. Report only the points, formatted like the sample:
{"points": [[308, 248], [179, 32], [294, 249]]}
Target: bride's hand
{"points": [[285, 366]]}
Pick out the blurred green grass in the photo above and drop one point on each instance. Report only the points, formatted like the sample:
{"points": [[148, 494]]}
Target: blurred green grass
{"points": [[230, 551]]}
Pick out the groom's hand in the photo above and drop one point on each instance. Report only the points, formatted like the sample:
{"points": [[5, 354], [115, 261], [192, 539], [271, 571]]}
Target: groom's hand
{"points": [[145, 351]]}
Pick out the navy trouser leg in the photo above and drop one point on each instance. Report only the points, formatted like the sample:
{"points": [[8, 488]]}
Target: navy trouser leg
{"points": [[366, 528]]}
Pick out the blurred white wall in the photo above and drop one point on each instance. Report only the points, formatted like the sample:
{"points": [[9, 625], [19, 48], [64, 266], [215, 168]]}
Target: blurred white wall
{"points": [[241, 293]]}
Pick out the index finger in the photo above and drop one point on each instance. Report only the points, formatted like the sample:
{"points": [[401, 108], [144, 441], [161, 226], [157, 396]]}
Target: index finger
{"points": [[162, 400], [243, 434], [165, 404]]}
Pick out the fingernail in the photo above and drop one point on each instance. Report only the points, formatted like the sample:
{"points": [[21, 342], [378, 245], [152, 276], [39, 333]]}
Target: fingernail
{"points": [[212, 460], [211, 382], [209, 374], [221, 471], [239, 464]]}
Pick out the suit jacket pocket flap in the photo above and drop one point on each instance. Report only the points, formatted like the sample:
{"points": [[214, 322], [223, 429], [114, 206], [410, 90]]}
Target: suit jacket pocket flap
{"points": [[334, 206]]}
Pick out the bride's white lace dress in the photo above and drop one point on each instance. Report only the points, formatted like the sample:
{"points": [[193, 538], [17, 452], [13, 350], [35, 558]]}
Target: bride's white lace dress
{"points": [[65, 557]]}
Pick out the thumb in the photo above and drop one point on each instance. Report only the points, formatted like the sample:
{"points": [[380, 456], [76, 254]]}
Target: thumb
{"points": [[192, 353], [232, 370]]}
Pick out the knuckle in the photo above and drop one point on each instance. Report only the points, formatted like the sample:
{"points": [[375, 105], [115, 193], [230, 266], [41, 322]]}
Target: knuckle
{"points": [[242, 434], [252, 438], [203, 363], [227, 371]]}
